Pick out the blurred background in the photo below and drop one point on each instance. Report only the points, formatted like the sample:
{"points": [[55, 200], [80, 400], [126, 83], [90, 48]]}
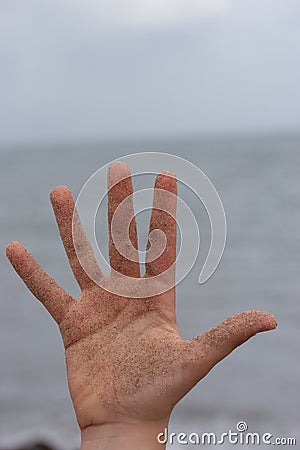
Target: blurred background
{"points": [[213, 81]]}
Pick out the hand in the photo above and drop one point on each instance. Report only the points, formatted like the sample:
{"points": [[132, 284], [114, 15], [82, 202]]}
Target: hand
{"points": [[127, 364]]}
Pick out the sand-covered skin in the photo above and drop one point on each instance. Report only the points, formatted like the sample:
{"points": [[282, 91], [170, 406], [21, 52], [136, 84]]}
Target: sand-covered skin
{"points": [[126, 361]]}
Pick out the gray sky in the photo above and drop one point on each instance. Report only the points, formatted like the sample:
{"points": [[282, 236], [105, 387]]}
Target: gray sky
{"points": [[89, 69]]}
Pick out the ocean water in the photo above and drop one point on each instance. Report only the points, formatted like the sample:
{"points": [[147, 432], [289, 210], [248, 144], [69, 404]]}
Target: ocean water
{"points": [[258, 182]]}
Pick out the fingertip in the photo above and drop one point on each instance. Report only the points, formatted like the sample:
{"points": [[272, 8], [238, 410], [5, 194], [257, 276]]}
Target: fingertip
{"points": [[117, 171], [168, 173], [268, 320], [59, 193], [14, 249], [249, 323], [17, 255]]}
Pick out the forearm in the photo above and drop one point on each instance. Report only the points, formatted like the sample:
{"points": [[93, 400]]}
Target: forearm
{"points": [[115, 436]]}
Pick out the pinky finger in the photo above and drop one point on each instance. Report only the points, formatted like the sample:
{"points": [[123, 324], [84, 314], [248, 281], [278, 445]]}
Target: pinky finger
{"points": [[55, 299]]}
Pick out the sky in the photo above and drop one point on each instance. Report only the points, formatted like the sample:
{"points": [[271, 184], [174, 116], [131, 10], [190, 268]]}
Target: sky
{"points": [[113, 69]]}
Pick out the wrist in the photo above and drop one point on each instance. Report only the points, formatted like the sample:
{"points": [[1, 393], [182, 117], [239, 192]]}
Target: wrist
{"points": [[125, 436]]}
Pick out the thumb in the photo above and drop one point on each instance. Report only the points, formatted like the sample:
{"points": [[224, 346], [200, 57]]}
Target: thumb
{"points": [[206, 350]]}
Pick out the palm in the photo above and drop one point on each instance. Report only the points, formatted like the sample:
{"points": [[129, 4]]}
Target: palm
{"points": [[125, 358], [129, 367]]}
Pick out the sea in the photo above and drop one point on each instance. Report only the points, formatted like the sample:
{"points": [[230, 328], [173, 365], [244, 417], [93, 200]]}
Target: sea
{"points": [[258, 181]]}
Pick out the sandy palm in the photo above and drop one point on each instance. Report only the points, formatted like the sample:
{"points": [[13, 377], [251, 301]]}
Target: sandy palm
{"points": [[126, 360]]}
